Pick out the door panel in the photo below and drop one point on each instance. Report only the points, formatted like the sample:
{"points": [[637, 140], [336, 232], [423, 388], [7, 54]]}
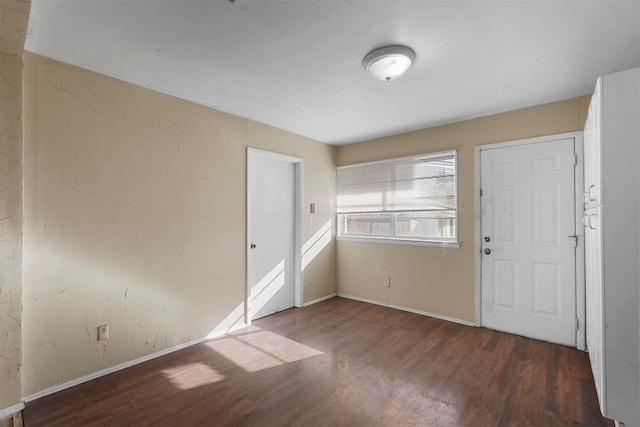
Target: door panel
{"points": [[546, 289], [271, 216], [505, 284], [505, 214], [528, 264], [545, 214]]}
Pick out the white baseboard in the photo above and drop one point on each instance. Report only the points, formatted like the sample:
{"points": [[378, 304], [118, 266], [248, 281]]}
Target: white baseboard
{"points": [[125, 365], [411, 310], [317, 300], [13, 409]]}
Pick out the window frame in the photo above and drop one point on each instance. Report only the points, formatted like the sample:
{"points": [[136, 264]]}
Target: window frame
{"points": [[449, 243]]}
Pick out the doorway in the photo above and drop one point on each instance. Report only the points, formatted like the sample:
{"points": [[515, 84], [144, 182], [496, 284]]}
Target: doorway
{"points": [[273, 233], [528, 241]]}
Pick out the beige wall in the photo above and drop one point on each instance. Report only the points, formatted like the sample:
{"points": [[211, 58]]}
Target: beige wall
{"points": [[14, 16], [434, 279], [135, 217]]}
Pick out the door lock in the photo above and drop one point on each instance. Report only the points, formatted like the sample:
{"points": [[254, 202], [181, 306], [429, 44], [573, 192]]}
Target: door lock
{"points": [[253, 246], [487, 239], [487, 251]]}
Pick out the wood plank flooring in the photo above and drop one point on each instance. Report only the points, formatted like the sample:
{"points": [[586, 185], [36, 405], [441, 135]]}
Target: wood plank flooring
{"points": [[341, 363]]}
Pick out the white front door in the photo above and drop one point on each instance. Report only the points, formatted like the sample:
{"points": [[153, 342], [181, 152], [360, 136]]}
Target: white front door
{"points": [[271, 232], [528, 260]]}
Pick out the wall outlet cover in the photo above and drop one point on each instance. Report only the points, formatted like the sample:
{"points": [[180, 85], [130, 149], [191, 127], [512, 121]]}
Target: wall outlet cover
{"points": [[103, 332]]}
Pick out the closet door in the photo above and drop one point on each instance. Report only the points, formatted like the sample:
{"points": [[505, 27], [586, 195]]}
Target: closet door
{"points": [[593, 242], [620, 199], [612, 231]]}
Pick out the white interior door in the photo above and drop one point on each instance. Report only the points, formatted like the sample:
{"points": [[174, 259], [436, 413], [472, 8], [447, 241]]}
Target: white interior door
{"points": [[528, 260], [271, 234]]}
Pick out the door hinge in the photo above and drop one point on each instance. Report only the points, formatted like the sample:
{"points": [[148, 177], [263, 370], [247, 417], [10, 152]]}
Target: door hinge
{"points": [[575, 159], [577, 324], [481, 192], [575, 240]]}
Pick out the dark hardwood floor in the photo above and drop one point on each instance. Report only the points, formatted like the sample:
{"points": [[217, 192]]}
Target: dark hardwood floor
{"points": [[337, 363]]}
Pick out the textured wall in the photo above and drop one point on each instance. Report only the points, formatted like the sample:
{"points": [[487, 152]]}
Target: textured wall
{"points": [[433, 279], [14, 17], [135, 216]]}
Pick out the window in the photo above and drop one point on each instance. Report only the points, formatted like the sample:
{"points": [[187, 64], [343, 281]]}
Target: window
{"points": [[410, 199]]}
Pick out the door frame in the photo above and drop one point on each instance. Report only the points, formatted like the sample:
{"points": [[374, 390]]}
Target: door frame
{"points": [[578, 211], [298, 164]]}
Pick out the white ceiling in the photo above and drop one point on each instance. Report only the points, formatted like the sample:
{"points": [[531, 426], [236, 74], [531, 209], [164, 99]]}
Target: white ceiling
{"points": [[296, 64]]}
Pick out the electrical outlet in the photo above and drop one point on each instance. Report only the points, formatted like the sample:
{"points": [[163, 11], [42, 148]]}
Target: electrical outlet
{"points": [[103, 332], [387, 282]]}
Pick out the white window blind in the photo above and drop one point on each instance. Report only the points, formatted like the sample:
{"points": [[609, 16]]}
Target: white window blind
{"points": [[410, 198]]}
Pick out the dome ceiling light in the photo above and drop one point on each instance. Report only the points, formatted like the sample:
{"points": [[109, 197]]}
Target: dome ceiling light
{"points": [[389, 62]]}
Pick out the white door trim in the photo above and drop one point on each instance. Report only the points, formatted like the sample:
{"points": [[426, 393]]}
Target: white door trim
{"points": [[579, 208], [298, 164]]}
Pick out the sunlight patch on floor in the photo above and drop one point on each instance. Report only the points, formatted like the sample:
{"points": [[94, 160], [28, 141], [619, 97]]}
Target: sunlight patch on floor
{"points": [[192, 375], [254, 349]]}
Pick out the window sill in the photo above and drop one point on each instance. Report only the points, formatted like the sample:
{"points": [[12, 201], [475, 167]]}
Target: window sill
{"points": [[432, 243]]}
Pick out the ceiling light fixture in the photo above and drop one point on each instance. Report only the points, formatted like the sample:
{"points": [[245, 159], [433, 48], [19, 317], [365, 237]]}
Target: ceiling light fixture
{"points": [[389, 62]]}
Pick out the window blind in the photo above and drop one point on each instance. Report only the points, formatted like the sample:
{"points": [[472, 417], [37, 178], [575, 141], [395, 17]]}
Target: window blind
{"points": [[404, 199], [417, 184]]}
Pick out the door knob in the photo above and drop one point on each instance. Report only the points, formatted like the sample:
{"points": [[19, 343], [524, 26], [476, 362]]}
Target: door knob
{"points": [[253, 246], [487, 251]]}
